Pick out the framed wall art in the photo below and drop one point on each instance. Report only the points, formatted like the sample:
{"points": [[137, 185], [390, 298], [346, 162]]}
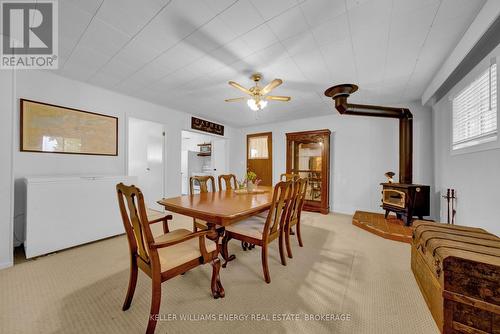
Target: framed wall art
{"points": [[49, 128]]}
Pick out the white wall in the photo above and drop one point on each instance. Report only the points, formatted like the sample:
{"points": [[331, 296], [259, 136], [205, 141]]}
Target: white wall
{"points": [[192, 139], [362, 150], [6, 79], [46, 87], [476, 175]]}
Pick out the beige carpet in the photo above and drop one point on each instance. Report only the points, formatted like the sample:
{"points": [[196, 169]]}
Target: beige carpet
{"points": [[341, 270]]}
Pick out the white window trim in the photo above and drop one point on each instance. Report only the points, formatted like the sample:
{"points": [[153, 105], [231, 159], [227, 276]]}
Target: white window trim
{"points": [[467, 80]]}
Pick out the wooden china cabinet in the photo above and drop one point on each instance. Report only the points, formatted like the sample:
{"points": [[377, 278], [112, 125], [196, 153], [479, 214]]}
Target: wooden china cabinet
{"points": [[308, 155]]}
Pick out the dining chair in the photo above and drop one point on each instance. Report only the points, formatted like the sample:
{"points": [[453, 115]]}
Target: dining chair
{"points": [[203, 181], [227, 181], [261, 232], [294, 213], [288, 176], [165, 256]]}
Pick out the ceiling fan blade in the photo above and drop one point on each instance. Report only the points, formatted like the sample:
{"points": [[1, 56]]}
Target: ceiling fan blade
{"points": [[235, 99], [278, 98], [240, 87], [270, 86]]}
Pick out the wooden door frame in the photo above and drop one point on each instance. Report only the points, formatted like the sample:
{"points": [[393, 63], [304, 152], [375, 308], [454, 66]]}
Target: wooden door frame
{"points": [[324, 205], [269, 149]]}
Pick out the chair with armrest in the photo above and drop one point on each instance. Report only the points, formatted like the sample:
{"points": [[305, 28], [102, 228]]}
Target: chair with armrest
{"points": [[257, 231], [204, 182], [294, 212], [163, 257], [227, 181]]}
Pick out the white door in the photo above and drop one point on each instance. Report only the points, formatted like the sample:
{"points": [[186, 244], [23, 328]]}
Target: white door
{"points": [[218, 158], [146, 158], [184, 172]]}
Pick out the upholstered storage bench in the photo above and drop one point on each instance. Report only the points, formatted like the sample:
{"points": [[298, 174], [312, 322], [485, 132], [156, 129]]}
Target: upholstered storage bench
{"points": [[458, 271]]}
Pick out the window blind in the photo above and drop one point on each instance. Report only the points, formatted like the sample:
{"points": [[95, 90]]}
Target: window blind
{"points": [[475, 111]]}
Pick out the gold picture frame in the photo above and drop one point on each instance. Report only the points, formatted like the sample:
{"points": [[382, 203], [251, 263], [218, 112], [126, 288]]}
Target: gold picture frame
{"points": [[49, 128]]}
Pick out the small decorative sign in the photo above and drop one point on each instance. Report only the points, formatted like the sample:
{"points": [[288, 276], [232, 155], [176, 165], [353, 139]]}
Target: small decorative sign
{"points": [[207, 126]]}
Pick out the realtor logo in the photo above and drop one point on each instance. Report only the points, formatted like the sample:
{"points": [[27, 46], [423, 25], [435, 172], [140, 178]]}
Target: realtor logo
{"points": [[29, 35]]}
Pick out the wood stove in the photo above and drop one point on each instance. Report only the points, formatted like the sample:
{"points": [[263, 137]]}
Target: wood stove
{"points": [[406, 200], [403, 198]]}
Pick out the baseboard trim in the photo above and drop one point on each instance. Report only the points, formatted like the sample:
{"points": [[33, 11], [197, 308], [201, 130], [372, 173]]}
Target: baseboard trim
{"points": [[6, 265]]}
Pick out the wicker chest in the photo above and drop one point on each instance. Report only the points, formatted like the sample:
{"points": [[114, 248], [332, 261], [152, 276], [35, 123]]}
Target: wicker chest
{"points": [[458, 271]]}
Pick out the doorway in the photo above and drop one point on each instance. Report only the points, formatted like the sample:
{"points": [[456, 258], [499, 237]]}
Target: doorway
{"points": [[201, 155], [260, 156], [146, 158]]}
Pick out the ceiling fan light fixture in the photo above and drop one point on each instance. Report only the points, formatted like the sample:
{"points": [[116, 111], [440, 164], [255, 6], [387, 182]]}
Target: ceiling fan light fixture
{"points": [[258, 95], [256, 105]]}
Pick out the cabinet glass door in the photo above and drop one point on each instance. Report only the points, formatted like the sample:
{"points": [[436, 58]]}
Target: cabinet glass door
{"points": [[307, 164]]}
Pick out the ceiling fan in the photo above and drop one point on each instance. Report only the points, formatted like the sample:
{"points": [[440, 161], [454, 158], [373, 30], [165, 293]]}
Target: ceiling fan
{"points": [[259, 97]]}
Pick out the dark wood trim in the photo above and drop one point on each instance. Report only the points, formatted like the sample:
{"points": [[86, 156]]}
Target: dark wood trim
{"points": [[269, 148], [313, 136], [21, 124]]}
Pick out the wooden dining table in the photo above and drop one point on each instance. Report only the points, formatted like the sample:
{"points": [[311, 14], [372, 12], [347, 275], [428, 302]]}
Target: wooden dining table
{"points": [[220, 209]]}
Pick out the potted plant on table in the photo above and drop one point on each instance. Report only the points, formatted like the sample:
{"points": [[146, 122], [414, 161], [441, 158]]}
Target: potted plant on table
{"points": [[252, 181]]}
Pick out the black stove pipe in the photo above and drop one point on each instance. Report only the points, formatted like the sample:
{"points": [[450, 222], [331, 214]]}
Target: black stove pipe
{"points": [[340, 93]]}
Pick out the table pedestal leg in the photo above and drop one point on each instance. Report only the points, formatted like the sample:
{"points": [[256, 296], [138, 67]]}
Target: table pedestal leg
{"points": [[215, 235], [216, 285]]}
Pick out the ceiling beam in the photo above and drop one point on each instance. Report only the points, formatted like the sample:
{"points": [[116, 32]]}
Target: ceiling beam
{"points": [[479, 37]]}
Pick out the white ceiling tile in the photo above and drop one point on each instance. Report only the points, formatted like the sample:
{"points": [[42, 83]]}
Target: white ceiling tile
{"points": [[301, 43], [181, 77], [259, 38], [413, 22], [269, 9], [176, 22], [452, 9], [370, 17], [331, 30], [103, 37], [72, 22], [129, 16], [353, 4], [317, 11], [138, 52], [213, 35], [288, 24], [267, 56], [181, 55], [340, 61], [85, 62], [231, 52], [130, 87], [185, 56], [89, 6], [411, 5], [104, 80], [117, 68], [369, 53], [153, 71], [313, 66], [205, 65], [219, 5], [242, 17]]}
